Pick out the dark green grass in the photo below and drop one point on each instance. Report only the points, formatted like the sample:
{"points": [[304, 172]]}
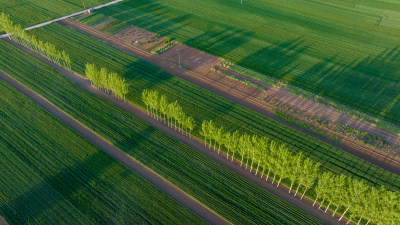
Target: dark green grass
{"points": [[30, 12], [203, 105], [51, 175], [333, 48], [229, 195]]}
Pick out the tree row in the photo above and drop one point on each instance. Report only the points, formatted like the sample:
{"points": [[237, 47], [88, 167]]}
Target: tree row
{"points": [[107, 81], [268, 158], [48, 50], [172, 112]]}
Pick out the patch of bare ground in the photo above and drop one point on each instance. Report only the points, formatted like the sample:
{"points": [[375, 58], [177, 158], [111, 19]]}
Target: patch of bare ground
{"points": [[246, 95], [142, 39], [191, 58], [3, 221]]}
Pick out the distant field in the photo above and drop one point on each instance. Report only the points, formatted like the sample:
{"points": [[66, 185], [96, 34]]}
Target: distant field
{"points": [[30, 12], [203, 105], [51, 175], [231, 196], [346, 50]]}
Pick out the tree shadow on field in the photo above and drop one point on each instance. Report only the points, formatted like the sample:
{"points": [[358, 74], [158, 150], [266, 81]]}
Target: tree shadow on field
{"points": [[153, 17], [220, 40], [77, 184], [370, 84], [276, 59]]}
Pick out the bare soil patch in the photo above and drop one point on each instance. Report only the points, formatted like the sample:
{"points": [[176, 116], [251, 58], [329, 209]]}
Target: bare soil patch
{"points": [[138, 37], [191, 58]]}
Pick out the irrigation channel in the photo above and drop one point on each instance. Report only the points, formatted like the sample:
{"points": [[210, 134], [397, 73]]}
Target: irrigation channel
{"points": [[281, 192]]}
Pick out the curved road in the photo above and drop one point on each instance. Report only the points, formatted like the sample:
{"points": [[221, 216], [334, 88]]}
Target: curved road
{"points": [[281, 192], [171, 190]]}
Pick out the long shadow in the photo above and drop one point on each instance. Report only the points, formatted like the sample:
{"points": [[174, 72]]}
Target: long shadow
{"points": [[69, 183], [276, 58]]}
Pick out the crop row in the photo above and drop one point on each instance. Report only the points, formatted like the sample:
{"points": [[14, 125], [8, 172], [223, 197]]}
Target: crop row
{"points": [[223, 191], [51, 175], [203, 105]]}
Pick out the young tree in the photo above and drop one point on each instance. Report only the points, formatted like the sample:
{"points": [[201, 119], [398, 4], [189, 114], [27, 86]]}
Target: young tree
{"points": [[190, 124], [296, 166], [163, 105], [146, 100], [311, 176], [323, 181]]}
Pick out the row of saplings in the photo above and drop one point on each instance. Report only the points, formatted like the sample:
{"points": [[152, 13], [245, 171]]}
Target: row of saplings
{"points": [[355, 199], [48, 50], [107, 81], [274, 161]]}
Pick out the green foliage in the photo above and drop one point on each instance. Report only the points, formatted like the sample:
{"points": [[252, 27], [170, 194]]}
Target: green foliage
{"points": [[46, 49], [165, 48], [223, 191], [204, 105], [51, 175], [341, 191], [273, 37], [171, 111], [107, 81]]}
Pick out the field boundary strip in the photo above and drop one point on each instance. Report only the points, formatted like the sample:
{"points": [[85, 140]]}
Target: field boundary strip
{"points": [[359, 150], [119, 155], [198, 145]]}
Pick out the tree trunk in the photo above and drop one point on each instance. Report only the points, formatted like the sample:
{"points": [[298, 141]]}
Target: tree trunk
{"points": [[367, 222], [233, 154], [305, 189], [273, 179], [315, 201], [298, 187], [266, 178], [320, 205], [344, 213], [291, 185], [241, 162], [334, 213], [326, 210], [227, 154], [258, 165], [280, 179], [359, 220]]}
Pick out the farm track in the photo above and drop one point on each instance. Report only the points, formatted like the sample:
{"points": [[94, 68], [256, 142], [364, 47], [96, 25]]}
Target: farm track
{"points": [[118, 154], [198, 145], [216, 86]]}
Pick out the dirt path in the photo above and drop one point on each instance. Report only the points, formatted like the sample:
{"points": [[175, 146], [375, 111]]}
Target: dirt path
{"points": [[233, 91], [117, 154], [281, 192]]}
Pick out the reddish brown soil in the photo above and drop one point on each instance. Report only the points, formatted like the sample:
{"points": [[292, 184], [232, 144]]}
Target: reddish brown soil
{"points": [[191, 58], [245, 95]]}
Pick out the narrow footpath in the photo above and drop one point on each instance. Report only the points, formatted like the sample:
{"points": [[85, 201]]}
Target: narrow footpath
{"points": [[168, 188], [281, 192]]}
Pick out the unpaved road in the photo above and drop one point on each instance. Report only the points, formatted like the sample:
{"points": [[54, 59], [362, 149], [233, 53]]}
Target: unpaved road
{"points": [[281, 192], [66, 17], [119, 155], [228, 88]]}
